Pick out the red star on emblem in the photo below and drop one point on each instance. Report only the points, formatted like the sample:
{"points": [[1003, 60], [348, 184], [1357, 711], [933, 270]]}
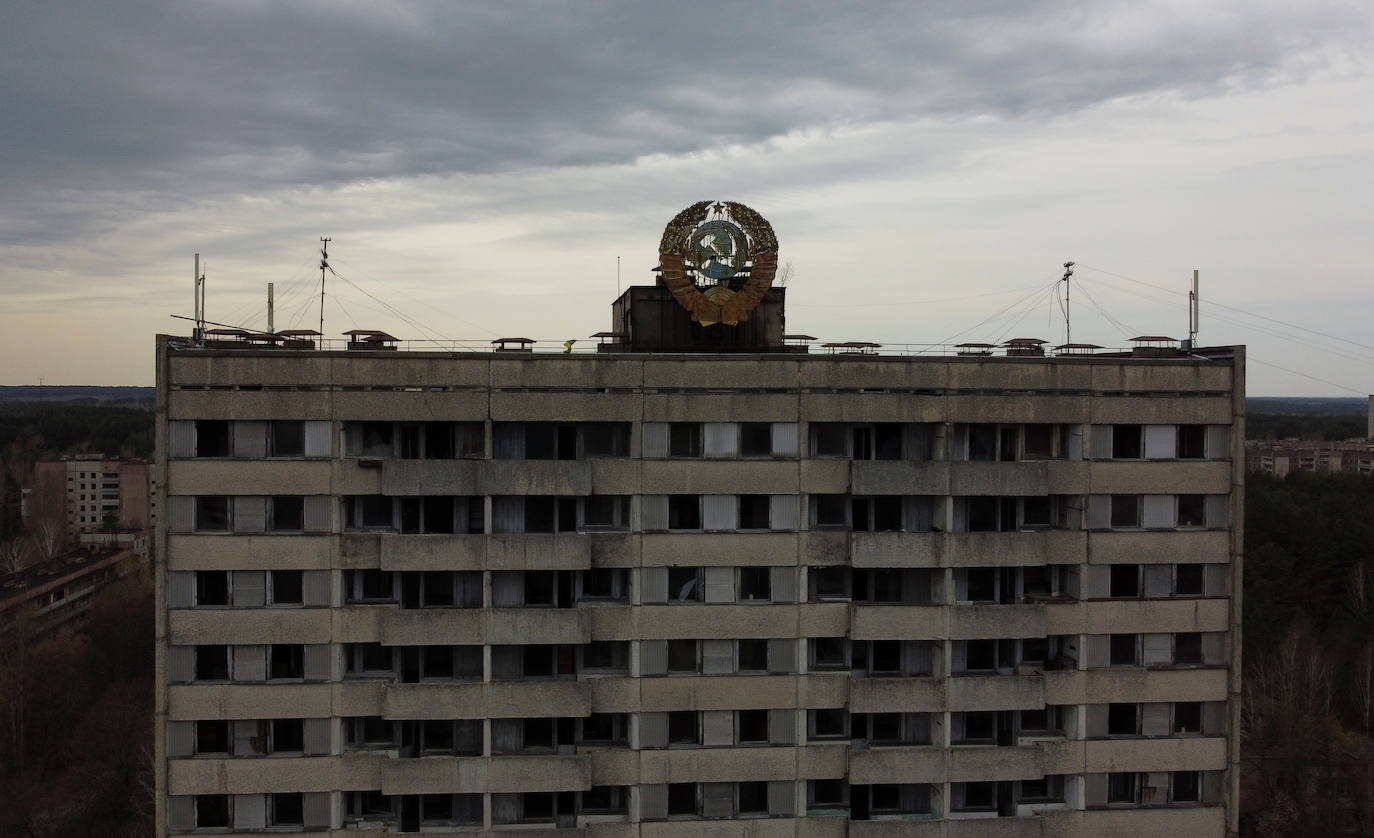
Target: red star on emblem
{"points": [[718, 207]]}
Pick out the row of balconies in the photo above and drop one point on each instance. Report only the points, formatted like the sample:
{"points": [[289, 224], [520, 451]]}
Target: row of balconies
{"points": [[577, 772], [577, 551], [618, 694], [586, 623], [536, 477]]}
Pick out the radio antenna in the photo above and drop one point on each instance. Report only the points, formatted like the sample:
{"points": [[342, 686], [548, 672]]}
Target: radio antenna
{"points": [[1068, 274], [324, 266]]}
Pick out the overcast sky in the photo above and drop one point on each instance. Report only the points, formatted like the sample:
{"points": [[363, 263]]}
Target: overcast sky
{"points": [[926, 166]]}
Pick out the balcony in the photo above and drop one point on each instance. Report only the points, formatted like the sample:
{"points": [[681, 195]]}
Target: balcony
{"points": [[1137, 615], [897, 622], [502, 699], [441, 775], [1132, 684], [901, 764], [897, 695]]}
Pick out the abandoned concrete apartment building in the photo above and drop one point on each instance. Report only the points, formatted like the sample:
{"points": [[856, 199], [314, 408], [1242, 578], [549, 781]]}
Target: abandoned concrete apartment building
{"points": [[699, 582]]}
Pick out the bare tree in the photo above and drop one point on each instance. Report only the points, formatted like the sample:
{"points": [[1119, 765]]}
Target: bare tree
{"points": [[49, 538], [15, 555]]}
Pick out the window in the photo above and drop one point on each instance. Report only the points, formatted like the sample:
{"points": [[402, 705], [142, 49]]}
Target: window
{"points": [[982, 442], [1192, 510], [1185, 787], [287, 661], [683, 656], [212, 663], [602, 728], [605, 439], [370, 805], [370, 658], [980, 795], [1188, 648], [288, 736], [1125, 650], [755, 439], [606, 511], [212, 513], [1188, 580], [980, 726], [1121, 787], [1125, 511], [369, 732], [752, 656], [1192, 442], [1187, 717], [286, 513], [829, 583], [436, 808], [829, 653], [684, 728], [1126, 442], [684, 584], [604, 655], [753, 798], [1125, 580], [830, 511], [682, 799], [980, 655], [602, 800], [372, 586], [829, 439], [684, 439], [603, 583], [370, 512], [753, 512], [684, 512], [285, 587], [1039, 442], [885, 657], [755, 584], [212, 811], [827, 794], [982, 584], [753, 727], [828, 724], [1123, 719], [212, 439], [212, 737], [212, 587], [1037, 512], [286, 439]]}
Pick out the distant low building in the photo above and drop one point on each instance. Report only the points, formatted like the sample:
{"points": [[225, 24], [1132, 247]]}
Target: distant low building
{"points": [[55, 593], [1281, 458]]}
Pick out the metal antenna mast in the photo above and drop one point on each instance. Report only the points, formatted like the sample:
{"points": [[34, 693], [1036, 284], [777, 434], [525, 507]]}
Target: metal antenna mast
{"points": [[1192, 314], [1068, 274], [324, 266]]}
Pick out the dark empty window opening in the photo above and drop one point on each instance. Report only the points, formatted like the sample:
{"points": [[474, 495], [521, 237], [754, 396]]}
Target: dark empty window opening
{"points": [[684, 584], [1185, 787], [212, 737], [1123, 719], [753, 512], [1192, 442], [886, 657], [1188, 580], [981, 655], [1192, 510], [1124, 650], [753, 656], [829, 439], [1039, 442], [829, 724], [1121, 787], [829, 653], [212, 587], [212, 513], [982, 442], [682, 799], [1188, 717], [755, 439], [753, 797], [829, 583], [288, 736], [983, 514], [753, 727], [887, 513], [212, 663], [1125, 581], [286, 439], [887, 441], [1125, 511], [682, 656], [684, 439], [605, 439], [982, 584], [831, 511], [212, 438], [1127, 441], [755, 584], [683, 728], [286, 513], [212, 811], [287, 661], [980, 726], [1188, 647], [684, 512], [376, 439]]}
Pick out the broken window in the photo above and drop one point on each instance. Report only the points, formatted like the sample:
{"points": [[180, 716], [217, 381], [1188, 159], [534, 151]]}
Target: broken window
{"points": [[1127, 441], [982, 442], [755, 584], [756, 439], [684, 439], [1121, 787], [980, 655], [286, 439], [753, 727], [212, 587], [830, 511], [1125, 581], [1039, 442], [606, 511], [682, 799], [1192, 442], [829, 653], [287, 736], [752, 798], [212, 663], [212, 438], [212, 737], [1192, 510], [212, 811], [603, 583], [1125, 511], [1188, 648], [683, 728], [1188, 579], [753, 512], [212, 513], [829, 583], [1187, 717], [286, 513], [684, 584], [1185, 787], [752, 656], [684, 512], [376, 439], [1124, 650], [1123, 719], [285, 587], [828, 724], [980, 726], [683, 656], [287, 661], [829, 439]]}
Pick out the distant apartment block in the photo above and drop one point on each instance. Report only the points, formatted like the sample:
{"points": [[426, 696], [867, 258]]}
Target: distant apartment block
{"points": [[1285, 457], [57, 593], [89, 493]]}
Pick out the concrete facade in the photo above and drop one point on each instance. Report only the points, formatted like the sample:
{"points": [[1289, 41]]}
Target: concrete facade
{"points": [[653, 596], [92, 490]]}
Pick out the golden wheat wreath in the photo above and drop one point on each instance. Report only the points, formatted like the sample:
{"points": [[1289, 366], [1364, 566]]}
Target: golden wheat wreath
{"points": [[718, 304]]}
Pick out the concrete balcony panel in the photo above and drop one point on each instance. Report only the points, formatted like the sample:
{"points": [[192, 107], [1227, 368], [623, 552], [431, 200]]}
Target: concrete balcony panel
{"points": [[1170, 754], [359, 550], [247, 775], [408, 369], [250, 477], [898, 622], [824, 547], [718, 692], [1030, 479], [1150, 615], [720, 477], [516, 371], [529, 626], [359, 623], [822, 762], [432, 552], [434, 775], [1062, 756], [1152, 822], [818, 826], [987, 827], [1032, 547], [870, 407], [992, 762], [432, 627], [896, 549], [1103, 686], [719, 549], [614, 549], [996, 692], [616, 476], [443, 775], [711, 407], [917, 826], [686, 371], [395, 406], [825, 477], [989, 622], [500, 699], [896, 695], [1119, 410], [906, 764], [566, 407], [538, 551], [249, 552], [900, 477], [1211, 546], [193, 702], [717, 765], [614, 694], [234, 367], [665, 622], [817, 691], [1053, 409], [741, 828], [187, 626], [432, 477], [1162, 477], [359, 698], [613, 766], [536, 477], [1066, 477]]}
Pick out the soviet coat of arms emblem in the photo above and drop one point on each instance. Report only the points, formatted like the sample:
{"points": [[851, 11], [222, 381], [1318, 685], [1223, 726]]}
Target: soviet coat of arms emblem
{"points": [[719, 260]]}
